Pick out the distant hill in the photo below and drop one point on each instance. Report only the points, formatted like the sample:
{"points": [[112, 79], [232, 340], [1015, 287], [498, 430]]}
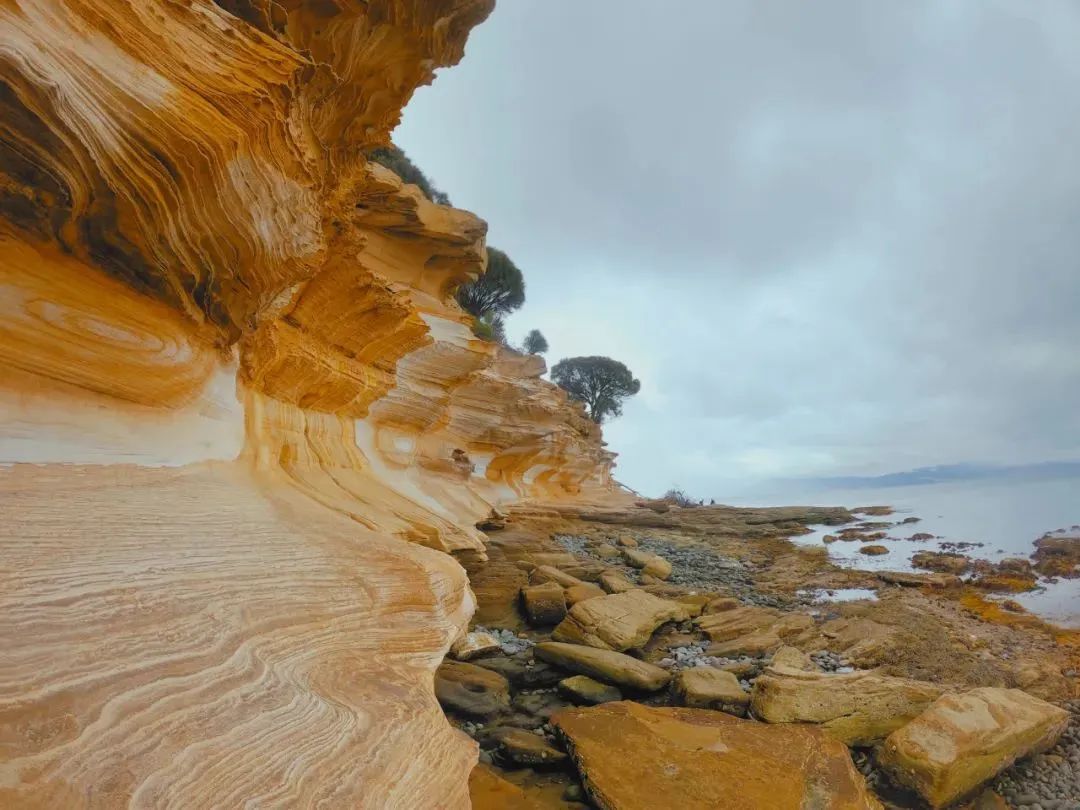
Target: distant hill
{"points": [[953, 472]]}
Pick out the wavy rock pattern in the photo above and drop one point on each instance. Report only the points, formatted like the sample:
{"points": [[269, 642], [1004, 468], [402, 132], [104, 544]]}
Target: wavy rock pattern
{"points": [[234, 385]]}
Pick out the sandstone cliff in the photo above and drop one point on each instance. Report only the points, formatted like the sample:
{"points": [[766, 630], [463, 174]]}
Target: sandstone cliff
{"points": [[237, 402]]}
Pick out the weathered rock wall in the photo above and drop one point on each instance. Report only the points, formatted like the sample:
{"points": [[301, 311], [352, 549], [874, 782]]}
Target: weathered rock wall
{"points": [[232, 382]]}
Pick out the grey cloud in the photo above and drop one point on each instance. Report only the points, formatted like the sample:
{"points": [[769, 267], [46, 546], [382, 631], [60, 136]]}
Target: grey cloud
{"points": [[831, 237]]}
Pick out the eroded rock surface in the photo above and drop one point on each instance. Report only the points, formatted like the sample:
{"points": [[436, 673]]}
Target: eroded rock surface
{"points": [[237, 401]]}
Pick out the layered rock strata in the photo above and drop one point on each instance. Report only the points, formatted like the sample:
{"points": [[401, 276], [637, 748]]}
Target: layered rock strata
{"points": [[236, 403]]}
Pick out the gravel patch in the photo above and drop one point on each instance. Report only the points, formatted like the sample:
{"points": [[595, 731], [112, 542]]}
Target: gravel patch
{"points": [[509, 642], [694, 567], [1051, 780], [831, 662]]}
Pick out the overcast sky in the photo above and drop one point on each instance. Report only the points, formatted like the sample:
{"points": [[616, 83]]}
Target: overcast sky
{"points": [[829, 238]]}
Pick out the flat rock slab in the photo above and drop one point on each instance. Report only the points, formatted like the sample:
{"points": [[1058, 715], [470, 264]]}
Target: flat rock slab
{"points": [[634, 757], [604, 665], [857, 708], [618, 621], [964, 740]]}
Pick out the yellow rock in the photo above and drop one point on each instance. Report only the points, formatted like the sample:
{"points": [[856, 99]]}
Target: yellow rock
{"points": [[617, 621], [964, 740], [544, 604], [615, 582], [709, 688], [472, 645], [634, 757], [579, 593], [857, 708], [657, 567], [604, 665]]}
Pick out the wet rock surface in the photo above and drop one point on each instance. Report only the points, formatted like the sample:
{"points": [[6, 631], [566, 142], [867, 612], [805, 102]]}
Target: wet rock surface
{"points": [[731, 640]]}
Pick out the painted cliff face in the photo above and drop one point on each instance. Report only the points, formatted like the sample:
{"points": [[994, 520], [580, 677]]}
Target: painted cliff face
{"points": [[228, 342]]}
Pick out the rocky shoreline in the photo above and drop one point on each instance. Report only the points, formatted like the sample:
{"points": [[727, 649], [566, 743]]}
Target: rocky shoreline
{"points": [[703, 617]]}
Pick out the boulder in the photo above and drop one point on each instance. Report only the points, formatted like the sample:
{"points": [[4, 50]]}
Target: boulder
{"points": [[636, 557], [961, 741], [829, 538], [579, 593], [864, 642], [941, 562], [751, 630], [793, 658], [544, 604], [617, 621], [657, 567], [737, 621], [471, 690], [708, 688], [614, 582], [604, 665], [549, 573], [912, 580], [626, 541], [607, 551], [525, 748], [634, 757], [1058, 554], [874, 551], [693, 603], [473, 645], [583, 689], [754, 645], [857, 708], [522, 671]]}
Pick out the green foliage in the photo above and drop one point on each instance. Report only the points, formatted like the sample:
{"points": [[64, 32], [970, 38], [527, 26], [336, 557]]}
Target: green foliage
{"points": [[498, 291], [398, 162], [535, 342], [600, 382], [490, 328]]}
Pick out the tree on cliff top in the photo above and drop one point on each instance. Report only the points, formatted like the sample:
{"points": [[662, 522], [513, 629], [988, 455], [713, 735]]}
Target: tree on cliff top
{"points": [[600, 382], [398, 162], [496, 292], [535, 342]]}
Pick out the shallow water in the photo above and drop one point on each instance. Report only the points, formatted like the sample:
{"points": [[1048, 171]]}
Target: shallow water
{"points": [[1006, 517], [823, 596]]}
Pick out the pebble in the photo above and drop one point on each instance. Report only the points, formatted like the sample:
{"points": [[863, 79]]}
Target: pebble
{"points": [[509, 642], [830, 661], [692, 567], [1049, 781]]}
